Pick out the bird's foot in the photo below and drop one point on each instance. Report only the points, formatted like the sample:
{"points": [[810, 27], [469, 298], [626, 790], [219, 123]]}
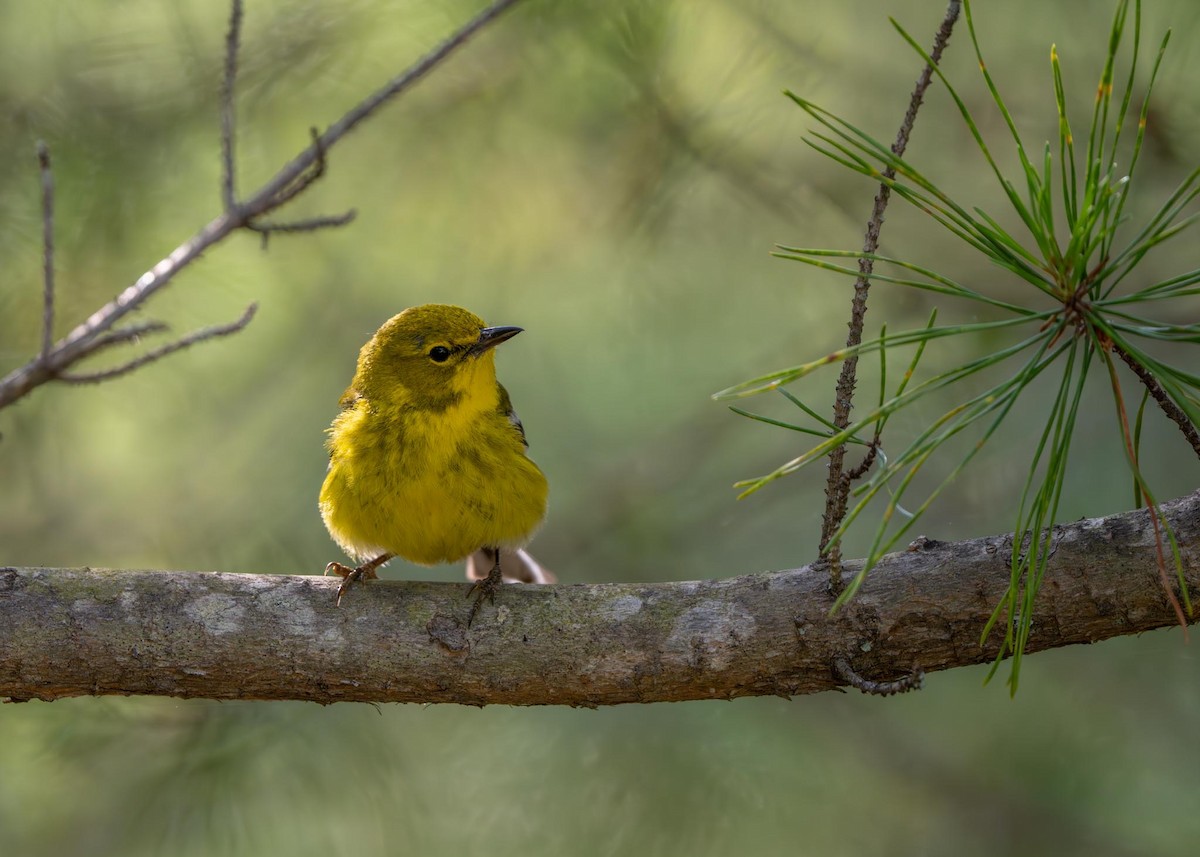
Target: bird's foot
{"points": [[351, 576], [485, 588]]}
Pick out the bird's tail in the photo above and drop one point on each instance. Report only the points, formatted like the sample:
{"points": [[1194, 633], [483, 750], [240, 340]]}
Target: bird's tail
{"points": [[517, 566]]}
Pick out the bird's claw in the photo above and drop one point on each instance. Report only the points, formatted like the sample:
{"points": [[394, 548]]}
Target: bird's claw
{"points": [[350, 576], [485, 588], [338, 569]]}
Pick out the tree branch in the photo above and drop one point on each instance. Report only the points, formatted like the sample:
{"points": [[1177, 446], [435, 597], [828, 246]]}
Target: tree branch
{"points": [[299, 173], [233, 41], [72, 632], [1172, 410], [204, 334], [837, 486]]}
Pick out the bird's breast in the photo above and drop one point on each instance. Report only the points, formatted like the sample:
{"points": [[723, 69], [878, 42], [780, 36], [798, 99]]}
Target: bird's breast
{"points": [[431, 486]]}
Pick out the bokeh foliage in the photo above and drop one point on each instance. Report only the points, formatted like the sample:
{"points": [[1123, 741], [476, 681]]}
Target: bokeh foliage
{"points": [[611, 177]]}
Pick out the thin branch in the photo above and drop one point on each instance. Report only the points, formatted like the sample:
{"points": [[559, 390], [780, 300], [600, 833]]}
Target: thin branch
{"points": [[228, 110], [43, 154], [860, 470], [301, 184], [81, 342], [837, 486], [203, 334], [71, 632], [394, 87], [305, 179], [1172, 410], [265, 199], [129, 333], [266, 228], [1131, 454]]}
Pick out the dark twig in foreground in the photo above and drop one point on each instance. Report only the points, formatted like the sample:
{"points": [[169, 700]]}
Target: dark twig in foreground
{"points": [[73, 632], [93, 334], [43, 154], [837, 486]]}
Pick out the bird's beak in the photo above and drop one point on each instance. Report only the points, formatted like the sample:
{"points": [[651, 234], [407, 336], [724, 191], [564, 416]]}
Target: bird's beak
{"points": [[490, 337]]}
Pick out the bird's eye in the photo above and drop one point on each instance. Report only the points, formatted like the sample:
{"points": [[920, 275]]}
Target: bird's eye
{"points": [[439, 354]]}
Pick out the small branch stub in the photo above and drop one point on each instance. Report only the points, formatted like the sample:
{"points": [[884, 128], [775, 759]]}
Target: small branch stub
{"points": [[913, 681]]}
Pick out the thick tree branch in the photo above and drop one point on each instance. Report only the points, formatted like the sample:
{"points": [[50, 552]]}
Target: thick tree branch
{"points": [[72, 632]]}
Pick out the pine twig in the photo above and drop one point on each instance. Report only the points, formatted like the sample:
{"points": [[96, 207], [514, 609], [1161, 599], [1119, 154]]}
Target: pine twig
{"points": [[837, 487], [1172, 410]]}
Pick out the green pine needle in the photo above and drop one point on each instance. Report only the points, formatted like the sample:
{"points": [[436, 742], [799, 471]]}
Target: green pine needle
{"points": [[1094, 314]]}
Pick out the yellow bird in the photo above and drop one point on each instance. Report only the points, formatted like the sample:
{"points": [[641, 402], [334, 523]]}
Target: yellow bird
{"points": [[427, 459]]}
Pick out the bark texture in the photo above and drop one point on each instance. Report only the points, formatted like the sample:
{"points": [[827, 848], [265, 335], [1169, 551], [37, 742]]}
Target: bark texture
{"points": [[72, 632]]}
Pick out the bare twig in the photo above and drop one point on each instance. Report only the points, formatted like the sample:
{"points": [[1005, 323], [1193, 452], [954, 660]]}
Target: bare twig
{"points": [[228, 112], [390, 90], [275, 192], [267, 228], [305, 179], [1172, 410], [43, 154], [129, 333], [82, 340], [205, 333], [837, 486], [860, 470]]}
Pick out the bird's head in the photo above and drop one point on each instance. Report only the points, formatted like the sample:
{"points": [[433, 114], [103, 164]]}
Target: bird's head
{"points": [[431, 357]]}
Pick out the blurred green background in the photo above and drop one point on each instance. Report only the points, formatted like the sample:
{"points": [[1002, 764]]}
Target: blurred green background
{"points": [[611, 177]]}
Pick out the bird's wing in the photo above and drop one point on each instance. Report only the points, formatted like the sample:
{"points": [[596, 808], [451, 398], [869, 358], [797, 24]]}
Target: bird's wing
{"points": [[506, 408]]}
